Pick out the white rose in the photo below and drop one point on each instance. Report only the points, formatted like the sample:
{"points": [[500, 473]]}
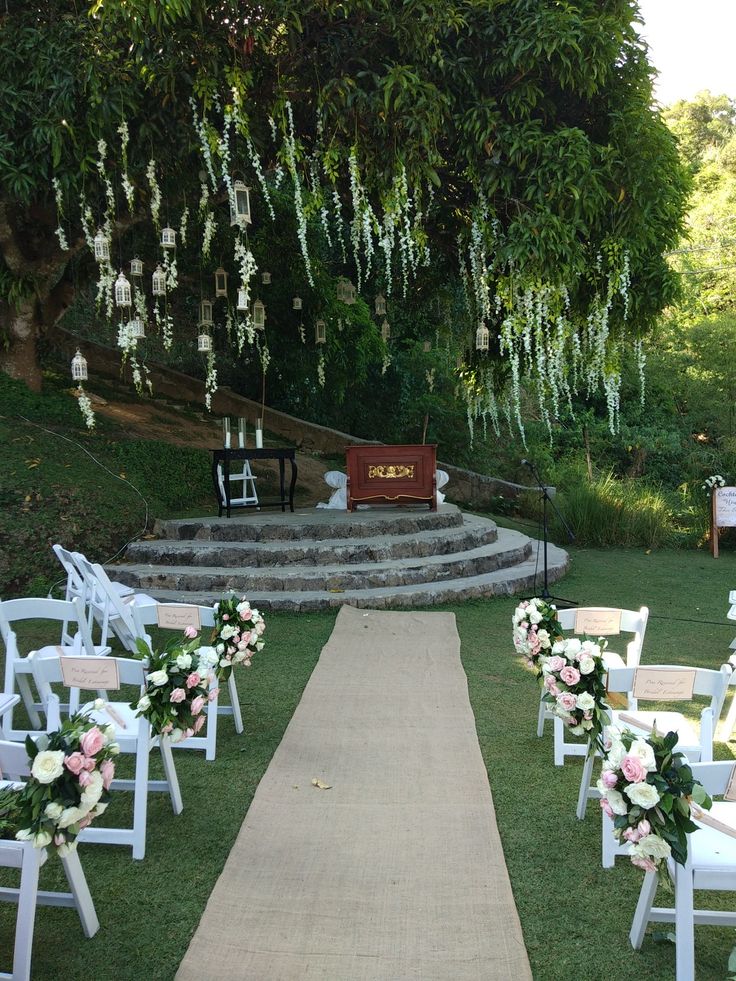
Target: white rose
{"points": [[644, 752], [558, 647], [184, 661], [42, 839], [48, 766], [99, 809], [543, 636], [93, 791], [158, 678], [71, 815], [654, 847], [220, 648], [24, 835], [227, 632], [53, 811], [617, 802], [99, 704], [586, 664], [577, 730], [243, 608], [260, 645], [585, 701], [572, 647], [144, 702], [534, 615], [642, 794], [176, 735], [109, 733], [113, 748]]}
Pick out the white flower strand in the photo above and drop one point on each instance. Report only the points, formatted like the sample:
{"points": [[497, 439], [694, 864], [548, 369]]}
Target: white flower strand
{"points": [[183, 225], [204, 144], [210, 227], [210, 385], [155, 191], [128, 189], [60, 234], [85, 406], [301, 220], [256, 162]]}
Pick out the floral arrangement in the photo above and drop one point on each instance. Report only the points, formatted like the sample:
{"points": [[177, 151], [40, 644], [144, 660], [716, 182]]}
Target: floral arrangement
{"points": [[177, 686], [69, 785], [574, 685], [646, 788], [237, 634], [536, 628], [713, 482]]}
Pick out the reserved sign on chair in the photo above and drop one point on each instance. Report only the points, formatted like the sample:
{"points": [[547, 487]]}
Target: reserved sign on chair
{"points": [[89, 673], [177, 616], [664, 685], [597, 623]]}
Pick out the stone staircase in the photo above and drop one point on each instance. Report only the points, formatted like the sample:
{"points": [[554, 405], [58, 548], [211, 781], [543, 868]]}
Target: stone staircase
{"points": [[312, 560]]}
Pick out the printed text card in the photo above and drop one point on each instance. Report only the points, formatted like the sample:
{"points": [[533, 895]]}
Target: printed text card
{"points": [[664, 684], [90, 673], [598, 623], [177, 616]]}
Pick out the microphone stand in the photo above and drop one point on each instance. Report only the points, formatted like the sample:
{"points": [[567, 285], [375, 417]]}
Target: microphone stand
{"points": [[547, 500]]}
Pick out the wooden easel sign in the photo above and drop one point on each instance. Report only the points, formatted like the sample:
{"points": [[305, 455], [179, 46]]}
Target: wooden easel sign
{"points": [[722, 514]]}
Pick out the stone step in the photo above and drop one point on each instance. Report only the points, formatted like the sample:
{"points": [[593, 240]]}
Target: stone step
{"points": [[510, 548], [472, 533], [309, 523], [502, 582]]}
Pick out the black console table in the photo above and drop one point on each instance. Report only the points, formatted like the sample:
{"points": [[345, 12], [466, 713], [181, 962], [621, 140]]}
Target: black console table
{"points": [[224, 456]]}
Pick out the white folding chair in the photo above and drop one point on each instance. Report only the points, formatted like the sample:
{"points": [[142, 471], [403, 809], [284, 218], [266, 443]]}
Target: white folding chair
{"points": [[18, 668], [132, 734], [710, 865], [248, 493], [144, 616], [696, 744], [108, 608], [22, 855], [630, 622], [76, 585]]}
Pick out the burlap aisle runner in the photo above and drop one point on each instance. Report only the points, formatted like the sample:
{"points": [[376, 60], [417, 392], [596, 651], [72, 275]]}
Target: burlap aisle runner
{"points": [[396, 872]]}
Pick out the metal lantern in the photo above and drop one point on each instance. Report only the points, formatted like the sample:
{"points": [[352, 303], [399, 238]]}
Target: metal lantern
{"points": [[158, 282], [123, 294], [136, 268], [205, 313], [296, 303], [136, 329], [385, 330], [102, 245], [266, 278], [220, 282], [259, 315], [79, 367], [320, 332], [427, 346], [380, 305], [168, 238], [242, 303], [204, 342], [345, 291], [482, 338], [240, 205]]}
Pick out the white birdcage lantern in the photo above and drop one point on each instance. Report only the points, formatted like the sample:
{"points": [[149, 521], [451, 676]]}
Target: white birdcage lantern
{"points": [[205, 313], [427, 347], [380, 305], [385, 330], [136, 268], [79, 367], [482, 338], [266, 278], [345, 291], [204, 342], [123, 293], [220, 282], [136, 329], [259, 315], [240, 205], [102, 245], [168, 238], [320, 332], [296, 303], [242, 303], [158, 282]]}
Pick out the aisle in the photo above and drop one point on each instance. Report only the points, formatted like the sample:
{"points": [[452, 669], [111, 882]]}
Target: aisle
{"points": [[397, 871]]}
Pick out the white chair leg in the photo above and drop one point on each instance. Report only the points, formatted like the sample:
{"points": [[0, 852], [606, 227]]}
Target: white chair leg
{"points": [[171, 778], [585, 782], [559, 742], [540, 717], [684, 925], [609, 843], [643, 909], [235, 702], [26, 913], [730, 722], [82, 896], [27, 695], [140, 800], [210, 748]]}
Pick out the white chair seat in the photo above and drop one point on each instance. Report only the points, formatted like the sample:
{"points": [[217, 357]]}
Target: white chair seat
{"points": [[689, 736], [613, 660], [126, 724]]}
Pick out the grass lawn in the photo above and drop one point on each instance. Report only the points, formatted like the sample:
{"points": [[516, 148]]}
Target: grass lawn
{"points": [[575, 915]]}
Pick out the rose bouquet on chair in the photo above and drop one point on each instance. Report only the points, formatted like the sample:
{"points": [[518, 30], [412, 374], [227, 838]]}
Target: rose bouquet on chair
{"points": [[536, 628], [178, 682], [237, 634], [69, 785], [646, 789], [574, 686]]}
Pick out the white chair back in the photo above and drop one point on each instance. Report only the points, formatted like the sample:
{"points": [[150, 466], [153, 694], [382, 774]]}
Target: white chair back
{"points": [[105, 603], [631, 622]]}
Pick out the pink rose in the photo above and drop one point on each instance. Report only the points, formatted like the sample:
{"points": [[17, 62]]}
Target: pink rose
{"points": [[631, 834], [192, 681], [213, 694], [198, 705], [644, 828], [609, 779], [633, 769], [188, 733], [59, 839], [567, 701], [198, 723], [225, 616], [246, 637], [605, 806], [89, 763], [85, 778], [550, 682], [107, 771], [92, 742], [165, 730], [644, 863], [556, 663], [74, 763], [190, 632], [177, 695], [570, 675], [83, 822]]}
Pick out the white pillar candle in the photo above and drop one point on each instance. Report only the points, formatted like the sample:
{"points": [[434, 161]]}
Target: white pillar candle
{"points": [[259, 434]]}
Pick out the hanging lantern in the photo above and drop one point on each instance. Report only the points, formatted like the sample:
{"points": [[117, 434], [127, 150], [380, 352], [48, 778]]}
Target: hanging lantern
{"points": [[320, 332], [240, 205], [136, 329], [266, 278], [296, 303], [123, 295], [205, 313], [79, 367], [259, 315], [345, 291], [242, 299], [220, 282], [385, 330], [380, 305], [168, 238], [136, 268], [158, 282], [102, 245], [204, 342], [482, 338]]}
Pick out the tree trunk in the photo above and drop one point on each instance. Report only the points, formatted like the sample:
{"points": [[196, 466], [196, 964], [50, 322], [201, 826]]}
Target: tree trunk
{"points": [[22, 325]]}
